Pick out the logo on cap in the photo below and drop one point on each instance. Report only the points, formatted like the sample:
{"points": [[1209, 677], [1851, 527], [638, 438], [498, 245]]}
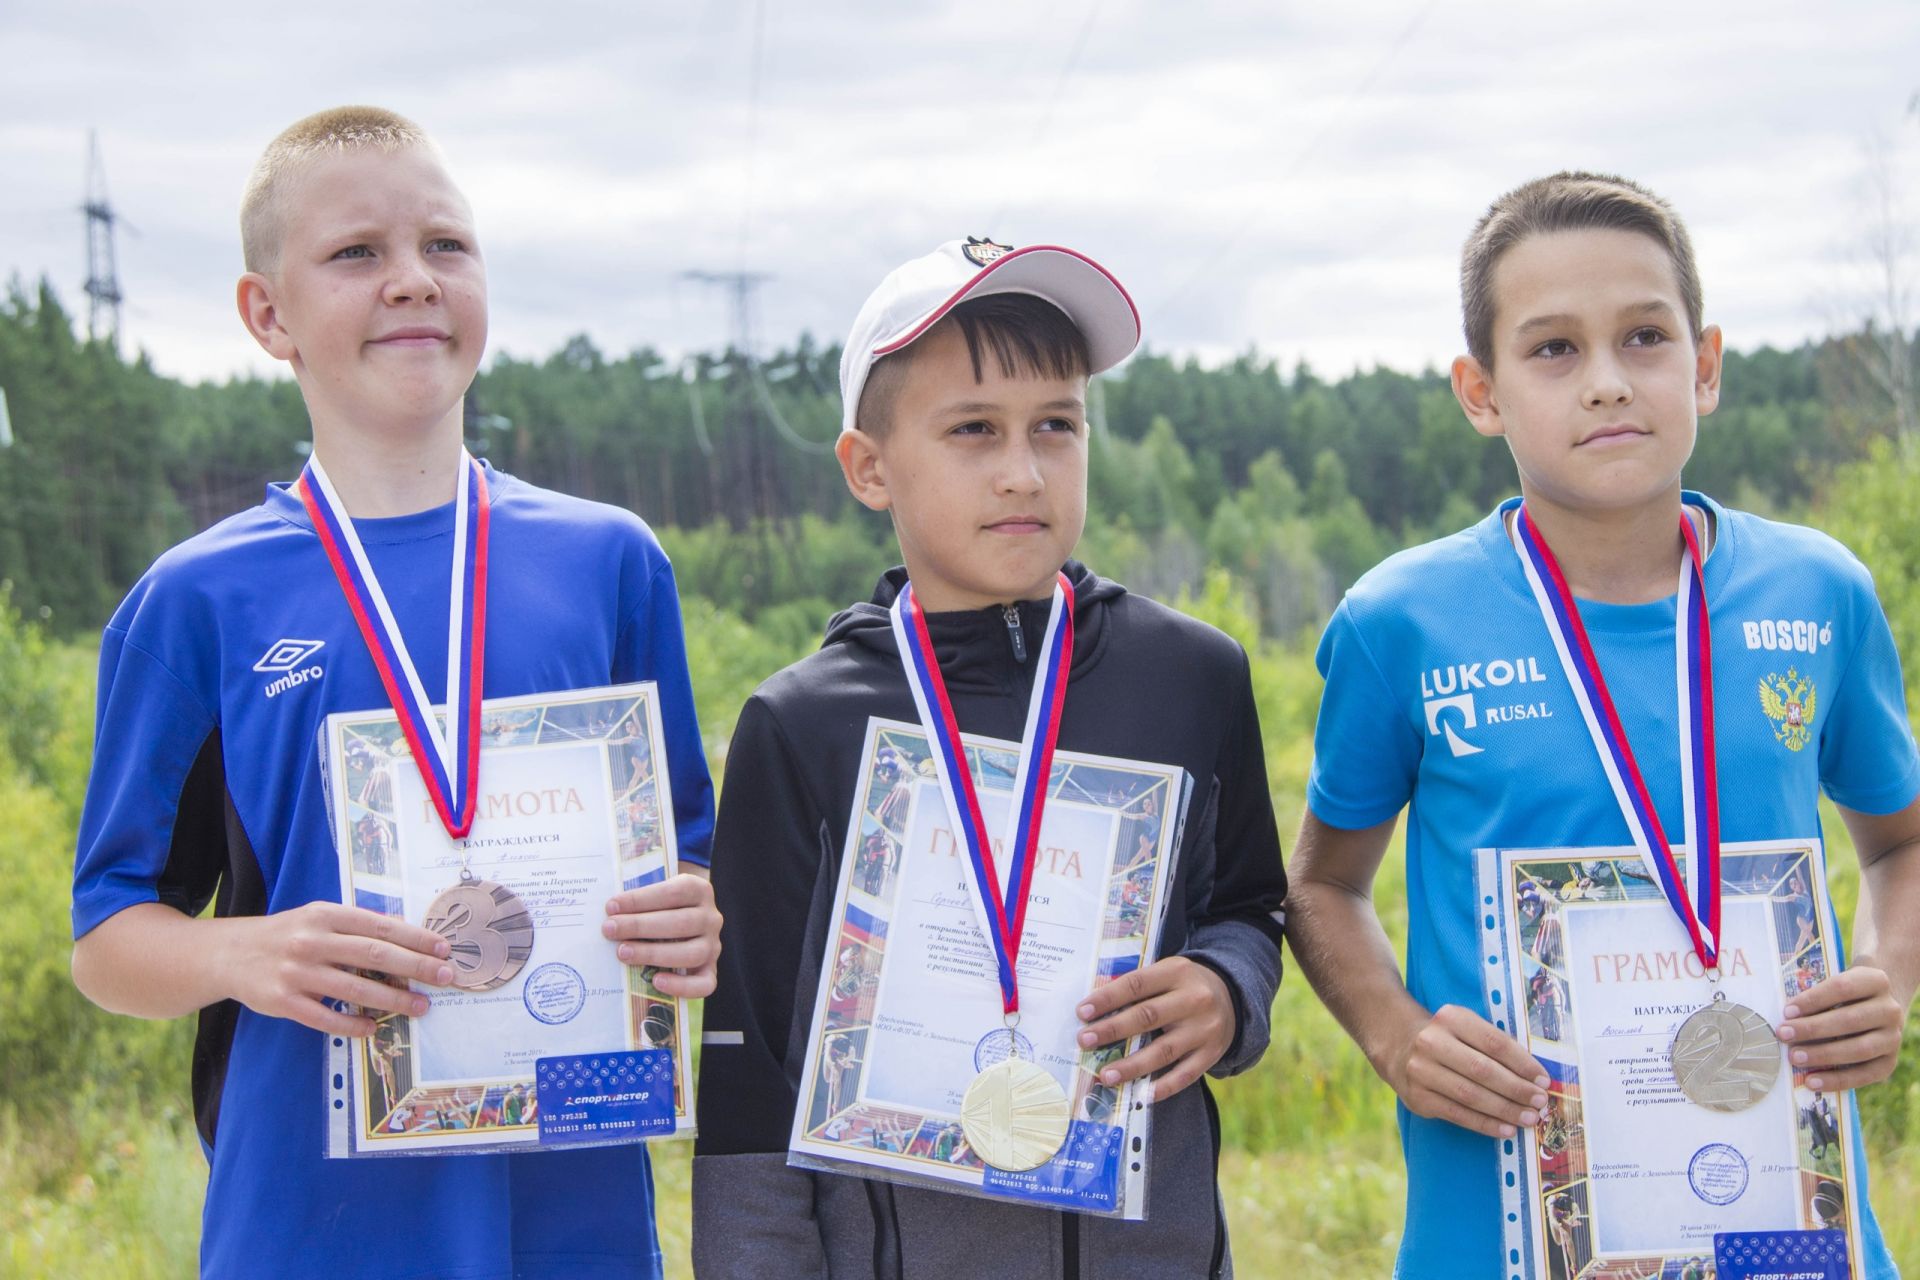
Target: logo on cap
{"points": [[981, 252]]}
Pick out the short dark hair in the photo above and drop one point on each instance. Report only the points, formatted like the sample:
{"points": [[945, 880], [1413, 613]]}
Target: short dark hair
{"points": [[1026, 335], [1568, 201]]}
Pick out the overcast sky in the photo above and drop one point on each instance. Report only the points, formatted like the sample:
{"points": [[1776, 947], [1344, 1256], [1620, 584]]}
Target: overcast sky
{"points": [[1293, 177]]}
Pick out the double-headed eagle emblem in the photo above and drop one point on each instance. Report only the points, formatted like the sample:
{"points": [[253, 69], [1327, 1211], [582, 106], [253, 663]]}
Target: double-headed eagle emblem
{"points": [[1789, 702]]}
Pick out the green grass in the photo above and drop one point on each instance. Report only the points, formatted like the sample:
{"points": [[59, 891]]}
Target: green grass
{"points": [[96, 1187], [1331, 1213], [105, 1193]]}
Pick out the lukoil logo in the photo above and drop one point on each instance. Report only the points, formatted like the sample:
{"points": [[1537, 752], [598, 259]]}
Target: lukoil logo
{"points": [[284, 658], [1451, 689]]}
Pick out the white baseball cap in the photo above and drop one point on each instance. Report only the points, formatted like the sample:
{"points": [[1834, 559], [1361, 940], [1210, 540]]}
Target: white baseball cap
{"points": [[916, 295]]}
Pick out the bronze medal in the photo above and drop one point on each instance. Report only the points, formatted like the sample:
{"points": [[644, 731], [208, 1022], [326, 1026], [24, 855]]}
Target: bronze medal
{"points": [[488, 928], [1725, 1057]]}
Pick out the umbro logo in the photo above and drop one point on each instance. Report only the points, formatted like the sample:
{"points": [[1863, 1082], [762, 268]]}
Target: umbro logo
{"points": [[285, 659], [288, 654]]}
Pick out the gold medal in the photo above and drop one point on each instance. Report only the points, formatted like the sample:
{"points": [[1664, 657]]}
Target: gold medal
{"points": [[1015, 1115], [1725, 1057], [488, 930]]}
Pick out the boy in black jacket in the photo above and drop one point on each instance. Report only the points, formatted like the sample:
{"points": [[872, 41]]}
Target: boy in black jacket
{"points": [[965, 384]]}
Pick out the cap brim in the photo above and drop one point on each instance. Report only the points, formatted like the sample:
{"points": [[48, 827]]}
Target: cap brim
{"points": [[1087, 292]]}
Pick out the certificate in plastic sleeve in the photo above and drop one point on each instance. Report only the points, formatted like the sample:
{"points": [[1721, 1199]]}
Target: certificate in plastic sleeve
{"points": [[576, 1049], [1624, 1176], [908, 1001]]}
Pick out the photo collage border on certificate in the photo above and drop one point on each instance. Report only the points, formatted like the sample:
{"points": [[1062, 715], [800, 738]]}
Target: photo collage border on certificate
{"points": [[362, 751]]}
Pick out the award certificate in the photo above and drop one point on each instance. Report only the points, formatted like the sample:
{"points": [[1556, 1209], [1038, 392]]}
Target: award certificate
{"points": [[909, 1009], [1625, 1177], [569, 1046]]}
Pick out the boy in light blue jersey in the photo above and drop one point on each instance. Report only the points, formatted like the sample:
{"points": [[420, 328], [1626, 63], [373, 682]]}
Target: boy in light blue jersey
{"points": [[1445, 696]]}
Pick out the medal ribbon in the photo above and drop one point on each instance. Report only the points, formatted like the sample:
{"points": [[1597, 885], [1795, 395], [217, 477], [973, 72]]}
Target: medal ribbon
{"points": [[1699, 784], [449, 762], [1000, 908]]}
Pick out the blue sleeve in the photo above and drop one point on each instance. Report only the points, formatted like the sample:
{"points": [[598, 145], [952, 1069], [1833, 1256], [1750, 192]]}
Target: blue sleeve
{"points": [[150, 729], [1868, 761], [653, 646], [1366, 756]]}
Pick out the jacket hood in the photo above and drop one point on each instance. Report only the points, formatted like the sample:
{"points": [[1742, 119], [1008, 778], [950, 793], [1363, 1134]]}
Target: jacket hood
{"points": [[975, 645]]}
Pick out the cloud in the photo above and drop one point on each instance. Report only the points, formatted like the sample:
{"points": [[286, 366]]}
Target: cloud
{"points": [[1294, 180]]}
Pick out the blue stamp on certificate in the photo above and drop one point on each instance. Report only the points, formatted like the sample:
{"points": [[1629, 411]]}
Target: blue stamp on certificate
{"points": [[1781, 1255], [555, 993], [1718, 1173], [1083, 1174], [604, 1097]]}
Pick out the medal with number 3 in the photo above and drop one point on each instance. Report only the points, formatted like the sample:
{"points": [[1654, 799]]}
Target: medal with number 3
{"points": [[487, 927], [488, 930]]}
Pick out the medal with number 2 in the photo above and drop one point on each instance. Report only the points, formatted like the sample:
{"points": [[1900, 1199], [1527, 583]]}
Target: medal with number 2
{"points": [[1724, 1056]]}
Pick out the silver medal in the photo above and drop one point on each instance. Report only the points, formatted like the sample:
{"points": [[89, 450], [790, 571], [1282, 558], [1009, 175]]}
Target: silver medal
{"points": [[1725, 1056]]}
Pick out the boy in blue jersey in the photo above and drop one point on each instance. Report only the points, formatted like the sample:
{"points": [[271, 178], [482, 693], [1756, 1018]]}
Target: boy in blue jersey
{"points": [[1444, 692], [364, 274]]}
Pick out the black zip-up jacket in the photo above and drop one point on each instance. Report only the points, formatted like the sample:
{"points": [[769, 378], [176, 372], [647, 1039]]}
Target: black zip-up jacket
{"points": [[1147, 684]]}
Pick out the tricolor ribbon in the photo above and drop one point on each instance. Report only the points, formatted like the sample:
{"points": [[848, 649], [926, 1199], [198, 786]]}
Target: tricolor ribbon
{"points": [[1699, 786], [449, 762], [1001, 907]]}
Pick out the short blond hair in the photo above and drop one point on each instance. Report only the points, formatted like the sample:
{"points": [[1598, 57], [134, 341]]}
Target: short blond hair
{"points": [[335, 131]]}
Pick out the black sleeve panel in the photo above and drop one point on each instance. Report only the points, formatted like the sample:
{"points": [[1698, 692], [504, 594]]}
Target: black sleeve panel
{"points": [[210, 859], [768, 850], [197, 856]]}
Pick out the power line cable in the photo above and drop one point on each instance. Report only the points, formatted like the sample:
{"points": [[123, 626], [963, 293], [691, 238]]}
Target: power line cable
{"points": [[691, 377], [743, 286], [1074, 51], [765, 397], [756, 59]]}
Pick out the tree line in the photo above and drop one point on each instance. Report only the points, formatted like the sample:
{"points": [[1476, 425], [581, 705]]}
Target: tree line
{"points": [[1293, 482]]}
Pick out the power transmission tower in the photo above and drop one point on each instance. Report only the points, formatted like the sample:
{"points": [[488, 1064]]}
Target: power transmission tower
{"points": [[742, 481], [739, 286], [103, 278]]}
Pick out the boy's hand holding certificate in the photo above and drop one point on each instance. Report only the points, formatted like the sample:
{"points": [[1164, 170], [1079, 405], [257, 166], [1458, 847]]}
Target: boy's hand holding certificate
{"points": [[671, 929], [1185, 1006]]}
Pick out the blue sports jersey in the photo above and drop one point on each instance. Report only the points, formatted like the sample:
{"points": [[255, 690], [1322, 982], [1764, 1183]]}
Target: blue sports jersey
{"points": [[1444, 693], [216, 675]]}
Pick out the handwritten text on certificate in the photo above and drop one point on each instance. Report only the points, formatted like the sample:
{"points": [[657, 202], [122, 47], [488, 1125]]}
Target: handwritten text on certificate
{"points": [[1632, 989], [939, 995]]}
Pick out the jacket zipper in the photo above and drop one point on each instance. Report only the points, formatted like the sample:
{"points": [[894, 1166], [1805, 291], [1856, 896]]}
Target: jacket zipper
{"points": [[1015, 635]]}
